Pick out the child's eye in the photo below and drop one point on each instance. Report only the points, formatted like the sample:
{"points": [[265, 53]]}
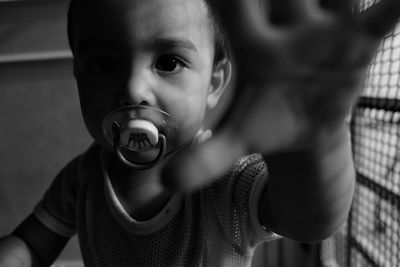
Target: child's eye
{"points": [[169, 63], [102, 65]]}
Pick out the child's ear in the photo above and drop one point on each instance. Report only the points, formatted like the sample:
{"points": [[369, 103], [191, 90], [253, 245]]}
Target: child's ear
{"points": [[219, 80]]}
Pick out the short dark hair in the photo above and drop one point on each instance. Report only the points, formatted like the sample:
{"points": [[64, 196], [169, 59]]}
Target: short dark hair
{"points": [[221, 44]]}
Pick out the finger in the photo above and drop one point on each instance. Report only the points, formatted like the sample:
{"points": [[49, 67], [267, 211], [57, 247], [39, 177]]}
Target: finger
{"points": [[249, 50], [379, 19], [344, 7], [286, 12], [201, 165], [242, 19]]}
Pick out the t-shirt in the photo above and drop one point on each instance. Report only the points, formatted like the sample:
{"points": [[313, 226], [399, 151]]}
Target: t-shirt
{"points": [[215, 226]]}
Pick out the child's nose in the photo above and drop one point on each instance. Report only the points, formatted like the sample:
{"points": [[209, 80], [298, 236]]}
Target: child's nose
{"points": [[139, 91]]}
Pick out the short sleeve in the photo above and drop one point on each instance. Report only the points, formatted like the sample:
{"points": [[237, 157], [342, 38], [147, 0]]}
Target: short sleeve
{"points": [[236, 198], [57, 209]]}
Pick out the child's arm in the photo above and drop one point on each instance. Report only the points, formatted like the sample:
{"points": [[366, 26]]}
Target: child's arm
{"points": [[31, 244], [309, 192], [299, 72]]}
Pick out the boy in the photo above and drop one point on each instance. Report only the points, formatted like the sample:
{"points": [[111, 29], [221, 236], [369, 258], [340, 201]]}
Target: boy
{"points": [[148, 69]]}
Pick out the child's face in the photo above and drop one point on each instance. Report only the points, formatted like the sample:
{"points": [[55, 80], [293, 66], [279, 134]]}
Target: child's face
{"points": [[154, 52]]}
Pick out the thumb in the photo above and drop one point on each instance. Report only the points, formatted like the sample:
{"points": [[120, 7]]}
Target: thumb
{"points": [[381, 17], [202, 164]]}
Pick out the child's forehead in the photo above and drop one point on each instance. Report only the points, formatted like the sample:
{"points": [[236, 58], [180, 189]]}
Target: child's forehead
{"points": [[141, 17], [141, 10]]}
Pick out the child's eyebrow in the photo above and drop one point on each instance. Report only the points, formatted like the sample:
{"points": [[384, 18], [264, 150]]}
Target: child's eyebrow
{"points": [[171, 43], [90, 44]]}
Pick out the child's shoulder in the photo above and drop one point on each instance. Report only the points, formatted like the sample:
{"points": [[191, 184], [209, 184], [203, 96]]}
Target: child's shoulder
{"points": [[80, 166], [89, 156], [246, 171], [252, 162]]}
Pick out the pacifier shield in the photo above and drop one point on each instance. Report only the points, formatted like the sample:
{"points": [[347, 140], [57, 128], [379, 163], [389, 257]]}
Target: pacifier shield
{"points": [[139, 134], [134, 120]]}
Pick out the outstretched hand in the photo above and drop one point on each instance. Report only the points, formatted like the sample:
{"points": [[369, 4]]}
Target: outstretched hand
{"points": [[300, 64]]}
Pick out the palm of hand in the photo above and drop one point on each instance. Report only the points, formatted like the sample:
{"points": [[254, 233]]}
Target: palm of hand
{"points": [[297, 79]]}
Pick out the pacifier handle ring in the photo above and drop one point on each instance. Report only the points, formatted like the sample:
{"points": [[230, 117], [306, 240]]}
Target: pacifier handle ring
{"points": [[141, 166]]}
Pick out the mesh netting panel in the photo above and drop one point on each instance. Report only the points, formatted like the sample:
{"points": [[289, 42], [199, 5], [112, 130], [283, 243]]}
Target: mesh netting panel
{"points": [[371, 235]]}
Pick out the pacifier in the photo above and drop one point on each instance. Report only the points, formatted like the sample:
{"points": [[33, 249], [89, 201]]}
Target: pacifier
{"points": [[135, 130]]}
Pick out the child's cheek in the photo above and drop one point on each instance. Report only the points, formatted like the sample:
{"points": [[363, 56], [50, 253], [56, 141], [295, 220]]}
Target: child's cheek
{"points": [[190, 117]]}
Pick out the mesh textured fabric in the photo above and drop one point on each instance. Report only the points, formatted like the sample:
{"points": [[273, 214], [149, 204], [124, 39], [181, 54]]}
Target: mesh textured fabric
{"points": [[371, 236], [215, 226]]}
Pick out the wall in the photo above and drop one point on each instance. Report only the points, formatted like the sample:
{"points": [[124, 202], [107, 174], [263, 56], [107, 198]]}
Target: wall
{"points": [[40, 123]]}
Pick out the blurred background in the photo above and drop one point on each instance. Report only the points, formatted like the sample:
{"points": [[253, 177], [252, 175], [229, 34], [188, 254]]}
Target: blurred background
{"points": [[40, 123], [41, 129]]}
